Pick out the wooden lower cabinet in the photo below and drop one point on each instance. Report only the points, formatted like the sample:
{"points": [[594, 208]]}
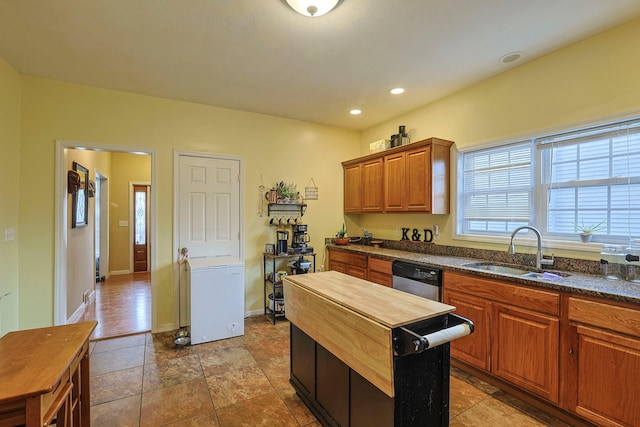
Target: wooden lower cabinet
{"points": [[379, 271], [605, 358], [524, 350], [517, 331], [348, 263], [473, 349]]}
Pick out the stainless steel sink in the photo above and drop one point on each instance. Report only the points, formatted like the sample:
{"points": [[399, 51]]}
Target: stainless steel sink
{"points": [[497, 268], [516, 271]]}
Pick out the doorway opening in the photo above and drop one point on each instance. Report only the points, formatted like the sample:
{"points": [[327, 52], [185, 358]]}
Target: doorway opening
{"points": [[64, 306]]}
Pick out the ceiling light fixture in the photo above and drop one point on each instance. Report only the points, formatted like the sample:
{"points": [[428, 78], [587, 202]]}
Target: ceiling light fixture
{"points": [[312, 8], [511, 57], [396, 91], [355, 112]]}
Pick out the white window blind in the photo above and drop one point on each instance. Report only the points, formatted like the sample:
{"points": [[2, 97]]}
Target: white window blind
{"points": [[496, 189], [592, 176]]}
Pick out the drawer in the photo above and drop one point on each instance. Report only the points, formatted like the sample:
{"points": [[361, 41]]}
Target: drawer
{"points": [[381, 265], [356, 260], [605, 315], [380, 278], [518, 295], [49, 401]]}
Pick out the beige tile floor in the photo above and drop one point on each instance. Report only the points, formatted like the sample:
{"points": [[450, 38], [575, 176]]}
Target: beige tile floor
{"points": [[144, 380]]}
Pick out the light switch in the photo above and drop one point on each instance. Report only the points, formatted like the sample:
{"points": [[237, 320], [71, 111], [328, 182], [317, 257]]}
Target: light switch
{"points": [[123, 223], [9, 234]]}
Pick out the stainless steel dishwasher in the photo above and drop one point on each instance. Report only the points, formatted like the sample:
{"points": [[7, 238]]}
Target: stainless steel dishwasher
{"points": [[417, 279]]}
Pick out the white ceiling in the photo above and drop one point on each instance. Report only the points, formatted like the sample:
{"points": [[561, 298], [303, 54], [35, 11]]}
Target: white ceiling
{"points": [[260, 56]]}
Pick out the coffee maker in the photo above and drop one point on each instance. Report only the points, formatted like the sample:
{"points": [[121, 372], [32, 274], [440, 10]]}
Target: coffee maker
{"points": [[300, 239], [282, 242]]}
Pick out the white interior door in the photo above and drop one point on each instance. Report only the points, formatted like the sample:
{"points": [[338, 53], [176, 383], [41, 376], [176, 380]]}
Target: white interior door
{"points": [[209, 206]]}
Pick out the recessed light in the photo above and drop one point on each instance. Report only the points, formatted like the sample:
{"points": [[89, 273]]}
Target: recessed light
{"points": [[396, 91], [355, 112], [511, 57]]}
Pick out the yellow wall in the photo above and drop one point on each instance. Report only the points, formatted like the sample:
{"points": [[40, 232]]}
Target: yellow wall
{"points": [[80, 240], [126, 168], [591, 79], [588, 81], [276, 149], [9, 194]]}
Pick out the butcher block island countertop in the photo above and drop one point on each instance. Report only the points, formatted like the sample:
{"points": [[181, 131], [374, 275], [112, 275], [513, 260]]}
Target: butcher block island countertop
{"points": [[353, 319], [387, 306]]}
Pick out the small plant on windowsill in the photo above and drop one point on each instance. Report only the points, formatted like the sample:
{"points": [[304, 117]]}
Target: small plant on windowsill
{"points": [[586, 231], [341, 236]]}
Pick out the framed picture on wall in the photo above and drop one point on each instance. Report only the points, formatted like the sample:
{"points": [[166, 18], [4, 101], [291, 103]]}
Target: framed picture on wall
{"points": [[80, 199]]}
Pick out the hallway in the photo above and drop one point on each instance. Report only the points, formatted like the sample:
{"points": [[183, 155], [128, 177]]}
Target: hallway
{"points": [[122, 306]]}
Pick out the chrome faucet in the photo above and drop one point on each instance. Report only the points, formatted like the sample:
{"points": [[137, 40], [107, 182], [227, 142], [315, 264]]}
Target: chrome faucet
{"points": [[540, 260]]}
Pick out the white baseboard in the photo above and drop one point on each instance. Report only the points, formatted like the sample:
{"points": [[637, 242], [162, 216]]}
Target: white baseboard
{"points": [[119, 272], [77, 315]]}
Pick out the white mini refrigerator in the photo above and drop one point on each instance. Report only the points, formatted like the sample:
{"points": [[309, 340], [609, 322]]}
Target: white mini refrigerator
{"points": [[216, 298]]}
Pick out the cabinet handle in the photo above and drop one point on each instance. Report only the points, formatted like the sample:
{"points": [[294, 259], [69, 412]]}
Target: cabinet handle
{"points": [[570, 351]]}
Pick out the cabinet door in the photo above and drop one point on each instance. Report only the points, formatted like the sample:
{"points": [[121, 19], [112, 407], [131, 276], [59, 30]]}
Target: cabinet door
{"points": [[353, 188], [608, 377], [372, 185], [394, 182], [332, 385], [418, 179], [525, 349], [473, 349], [303, 360]]}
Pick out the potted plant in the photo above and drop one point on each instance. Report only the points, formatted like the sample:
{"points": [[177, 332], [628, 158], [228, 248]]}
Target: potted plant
{"points": [[341, 238], [287, 193], [586, 231]]}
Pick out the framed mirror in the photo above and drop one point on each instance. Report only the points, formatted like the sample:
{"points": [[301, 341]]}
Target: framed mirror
{"points": [[80, 199]]}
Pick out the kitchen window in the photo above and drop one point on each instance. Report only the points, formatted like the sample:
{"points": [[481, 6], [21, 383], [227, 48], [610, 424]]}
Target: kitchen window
{"points": [[555, 183]]}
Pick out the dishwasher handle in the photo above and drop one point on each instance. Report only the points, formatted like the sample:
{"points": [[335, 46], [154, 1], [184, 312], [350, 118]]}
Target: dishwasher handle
{"points": [[407, 341]]}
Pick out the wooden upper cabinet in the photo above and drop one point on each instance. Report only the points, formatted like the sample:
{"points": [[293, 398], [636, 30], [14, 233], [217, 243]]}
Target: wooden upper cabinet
{"points": [[394, 182], [418, 179], [353, 188], [372, 185], [409, 178]]}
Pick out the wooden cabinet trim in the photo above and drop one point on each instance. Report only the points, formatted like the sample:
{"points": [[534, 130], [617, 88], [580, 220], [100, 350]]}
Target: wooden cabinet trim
{"points": [[432, 141], [518, 295]]}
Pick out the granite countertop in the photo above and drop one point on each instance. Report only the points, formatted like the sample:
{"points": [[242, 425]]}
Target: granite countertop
{"points": [[576, 282]]}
